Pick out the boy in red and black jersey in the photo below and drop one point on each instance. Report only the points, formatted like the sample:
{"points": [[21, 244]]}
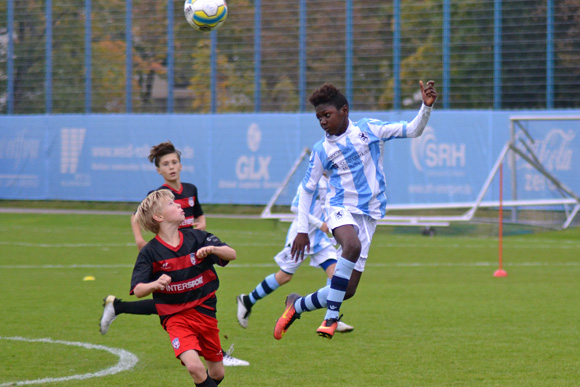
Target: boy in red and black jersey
{"points": [[186, 196], [167, 160], [177, 267], [194, 281]]}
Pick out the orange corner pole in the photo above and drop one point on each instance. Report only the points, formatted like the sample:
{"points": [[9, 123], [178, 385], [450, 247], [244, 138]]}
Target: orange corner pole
{"points": [[500, 272]]}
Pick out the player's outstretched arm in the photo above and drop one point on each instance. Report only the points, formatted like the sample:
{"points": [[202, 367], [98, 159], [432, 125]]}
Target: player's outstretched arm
{"points": [[428, 93], [416, 127]]}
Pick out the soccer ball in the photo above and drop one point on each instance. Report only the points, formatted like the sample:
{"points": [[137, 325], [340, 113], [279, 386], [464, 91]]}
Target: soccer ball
{"points": [[205, 15]]}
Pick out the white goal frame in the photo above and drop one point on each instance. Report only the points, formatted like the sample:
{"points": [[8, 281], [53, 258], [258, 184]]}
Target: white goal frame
{"points": [[570, 200]]}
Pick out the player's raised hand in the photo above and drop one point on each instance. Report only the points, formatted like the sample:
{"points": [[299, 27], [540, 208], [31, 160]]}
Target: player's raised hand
{"points": [[301, 242], [428, 93]]}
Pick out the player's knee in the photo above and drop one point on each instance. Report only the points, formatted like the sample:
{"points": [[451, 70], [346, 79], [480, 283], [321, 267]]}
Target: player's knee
{"points": [[351, 250], [197, 371], [217, 374], [283, 278]]}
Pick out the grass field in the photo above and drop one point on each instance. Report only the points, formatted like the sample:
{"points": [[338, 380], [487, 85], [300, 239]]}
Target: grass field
{"points": [[428, 311]]}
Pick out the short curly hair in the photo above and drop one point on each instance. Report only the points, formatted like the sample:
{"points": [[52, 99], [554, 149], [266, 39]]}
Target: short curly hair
{"points": [[160, 150], [328, 94]]}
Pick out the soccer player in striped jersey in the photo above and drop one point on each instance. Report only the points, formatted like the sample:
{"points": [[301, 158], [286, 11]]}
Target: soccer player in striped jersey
{"points": [[177, 267], [323, 256], [352, 154], [167, 160]]}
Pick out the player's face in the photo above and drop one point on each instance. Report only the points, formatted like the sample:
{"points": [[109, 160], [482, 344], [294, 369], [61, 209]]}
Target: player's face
{"points": [[170, 167], [172, 212], [334, 121]]}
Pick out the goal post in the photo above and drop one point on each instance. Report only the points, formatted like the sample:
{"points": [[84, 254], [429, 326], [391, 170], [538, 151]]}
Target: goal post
{"points": [[546, 156], [267, 211]]}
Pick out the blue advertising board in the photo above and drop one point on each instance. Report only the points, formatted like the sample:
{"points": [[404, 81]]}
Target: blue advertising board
{"points": [[243, 158]]}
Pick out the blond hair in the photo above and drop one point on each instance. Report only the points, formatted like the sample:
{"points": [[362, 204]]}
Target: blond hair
{"points": [[150, 206]]}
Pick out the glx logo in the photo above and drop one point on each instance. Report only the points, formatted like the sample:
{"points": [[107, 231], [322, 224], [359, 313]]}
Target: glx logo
{"points": [[252, 167]]}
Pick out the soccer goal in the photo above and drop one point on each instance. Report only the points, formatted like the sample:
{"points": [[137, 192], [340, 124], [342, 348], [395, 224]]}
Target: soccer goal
{"points": [[538, 156]]}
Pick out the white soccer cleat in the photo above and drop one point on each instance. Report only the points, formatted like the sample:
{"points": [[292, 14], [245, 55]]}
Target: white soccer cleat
{"points": [[108, 314], [343, 328], [243, 311], [230, 361]]}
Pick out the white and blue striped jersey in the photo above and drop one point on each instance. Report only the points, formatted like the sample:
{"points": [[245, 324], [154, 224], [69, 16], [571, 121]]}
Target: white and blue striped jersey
{"points": [[354, 162], [318, 238]]}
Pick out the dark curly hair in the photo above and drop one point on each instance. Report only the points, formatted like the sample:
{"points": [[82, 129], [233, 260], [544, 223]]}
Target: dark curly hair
{"points": [[160, 150], [328, 94]]}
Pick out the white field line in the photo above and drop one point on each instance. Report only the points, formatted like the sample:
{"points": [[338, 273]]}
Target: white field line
{"points": [[370, 264], [126, 361], [513, 244]]}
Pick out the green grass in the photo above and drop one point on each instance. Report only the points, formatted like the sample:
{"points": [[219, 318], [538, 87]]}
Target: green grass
{"points": [[428, 311]]}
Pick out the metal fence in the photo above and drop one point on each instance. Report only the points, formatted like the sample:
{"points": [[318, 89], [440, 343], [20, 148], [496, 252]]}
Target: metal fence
{"points": [[140, 56]]}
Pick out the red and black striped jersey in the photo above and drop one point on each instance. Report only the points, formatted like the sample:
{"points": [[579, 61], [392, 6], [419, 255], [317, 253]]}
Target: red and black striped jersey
{"points": [[193, 281], [187, 198]]}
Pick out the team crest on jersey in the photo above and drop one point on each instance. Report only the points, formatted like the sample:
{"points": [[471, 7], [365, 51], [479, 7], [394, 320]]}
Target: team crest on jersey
{"points": [[175, 343], [338, 214], [192, 258], [363, 136], [191, 201]]}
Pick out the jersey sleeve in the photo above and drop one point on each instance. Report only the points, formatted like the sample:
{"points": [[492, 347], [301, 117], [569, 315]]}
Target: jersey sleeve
{"points": [[309, 186], [143, 269], [212, 240], [389, 130]]}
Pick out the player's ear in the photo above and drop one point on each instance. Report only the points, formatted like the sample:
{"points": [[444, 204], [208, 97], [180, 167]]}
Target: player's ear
{"points": [[344, 109]]}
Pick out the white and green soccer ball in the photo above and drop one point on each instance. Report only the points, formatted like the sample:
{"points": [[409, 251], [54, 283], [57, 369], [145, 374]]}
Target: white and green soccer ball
{"points": [[205, 15]]}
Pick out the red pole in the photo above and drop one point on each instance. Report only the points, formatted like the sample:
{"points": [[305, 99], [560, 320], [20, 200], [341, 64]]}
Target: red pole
{"points": [[500, 272]]}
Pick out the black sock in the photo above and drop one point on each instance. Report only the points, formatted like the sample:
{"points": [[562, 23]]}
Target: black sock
{"points": [[216, 381], [246, 301], [208, 382], [135, 307]]}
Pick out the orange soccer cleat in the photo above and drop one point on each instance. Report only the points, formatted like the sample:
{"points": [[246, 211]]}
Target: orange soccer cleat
{"points": [[328, 327], [287, 318]]}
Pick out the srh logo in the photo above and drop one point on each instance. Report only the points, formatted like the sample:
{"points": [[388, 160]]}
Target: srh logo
{"points": [[426, 151], [71, 144]]}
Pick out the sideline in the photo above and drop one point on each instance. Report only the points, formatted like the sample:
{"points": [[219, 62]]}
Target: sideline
{"points": [[257, 265], [126, 361]]}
